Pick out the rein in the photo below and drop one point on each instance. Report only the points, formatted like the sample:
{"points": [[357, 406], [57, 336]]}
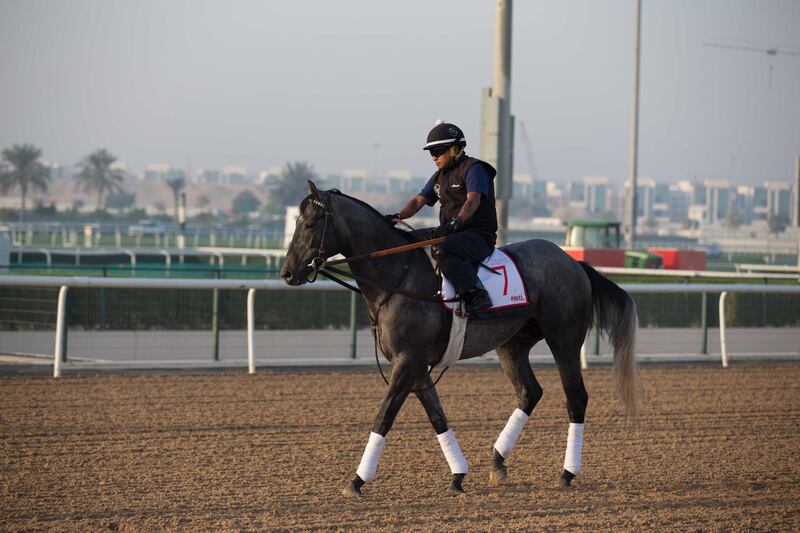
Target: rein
{"points": [[319, 265], [387, 251]]}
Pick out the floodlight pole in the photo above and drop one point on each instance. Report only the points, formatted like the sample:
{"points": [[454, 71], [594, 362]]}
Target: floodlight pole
{"points": [[633, 163], [496, 120]]}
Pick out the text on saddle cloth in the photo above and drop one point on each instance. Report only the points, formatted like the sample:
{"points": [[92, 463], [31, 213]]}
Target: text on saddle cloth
{"points": [[505, 290]]}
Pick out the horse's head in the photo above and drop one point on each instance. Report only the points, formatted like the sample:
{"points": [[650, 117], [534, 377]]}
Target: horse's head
{"points": [[314, 238]]}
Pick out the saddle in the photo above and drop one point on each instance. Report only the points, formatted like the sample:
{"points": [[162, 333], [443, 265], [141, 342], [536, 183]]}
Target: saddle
{"points": [[500, 277]]}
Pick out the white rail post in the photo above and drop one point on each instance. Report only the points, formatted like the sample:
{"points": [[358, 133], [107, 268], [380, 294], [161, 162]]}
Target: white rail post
{"points": [[60, 319], [722, 346], [251, 319]]}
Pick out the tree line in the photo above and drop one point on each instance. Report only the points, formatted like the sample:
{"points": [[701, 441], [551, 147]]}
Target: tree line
{"points": [[24, 171]]}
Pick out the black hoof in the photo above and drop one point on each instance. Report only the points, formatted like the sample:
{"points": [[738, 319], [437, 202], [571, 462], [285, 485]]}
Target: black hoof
{"points": [[499, 471], [455, 485], [566, 478], [354, 487]]}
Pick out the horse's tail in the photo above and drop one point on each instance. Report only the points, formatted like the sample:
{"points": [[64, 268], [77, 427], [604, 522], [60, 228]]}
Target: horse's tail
{"points": [[615, 314]]}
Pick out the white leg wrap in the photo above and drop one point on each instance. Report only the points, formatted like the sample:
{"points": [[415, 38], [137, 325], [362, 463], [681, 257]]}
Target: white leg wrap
{"points": [[369, 461], [572, 459], [452, 452], [508, 437]]}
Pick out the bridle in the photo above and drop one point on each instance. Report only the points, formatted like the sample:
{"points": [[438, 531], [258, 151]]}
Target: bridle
{"points": [[317, 263]]}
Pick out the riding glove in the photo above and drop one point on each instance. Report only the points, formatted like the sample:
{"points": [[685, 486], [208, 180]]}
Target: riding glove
{"points": [[452, 225], [392, 219]]}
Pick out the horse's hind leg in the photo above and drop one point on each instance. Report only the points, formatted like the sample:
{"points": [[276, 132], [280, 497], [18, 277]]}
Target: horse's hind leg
{"points": [[405, 375], [447, 440], [514, 360], [567, 356]]}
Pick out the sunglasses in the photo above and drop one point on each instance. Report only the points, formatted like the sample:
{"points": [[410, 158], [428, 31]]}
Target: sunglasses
{"points": [[436, 151]]}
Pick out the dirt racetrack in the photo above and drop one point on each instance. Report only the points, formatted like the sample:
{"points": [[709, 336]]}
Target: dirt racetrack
{"points": [[718, 449]]}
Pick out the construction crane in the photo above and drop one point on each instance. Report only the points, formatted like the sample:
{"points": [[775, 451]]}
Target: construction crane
{"points": [[748, 46]]}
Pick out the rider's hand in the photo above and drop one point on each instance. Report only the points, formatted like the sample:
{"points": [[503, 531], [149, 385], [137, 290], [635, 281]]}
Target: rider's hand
{"points": [[392, 219], [452, 225]]}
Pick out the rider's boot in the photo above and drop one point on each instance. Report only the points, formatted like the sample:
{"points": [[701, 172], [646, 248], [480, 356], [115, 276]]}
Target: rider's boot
{"points": [[477, 299]]}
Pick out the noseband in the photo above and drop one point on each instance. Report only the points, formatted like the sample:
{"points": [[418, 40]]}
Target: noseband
{"points": [[317, 264]]}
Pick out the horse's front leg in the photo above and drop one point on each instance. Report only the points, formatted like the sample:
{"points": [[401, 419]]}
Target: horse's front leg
{"points": [[405, 375], [447, 439]]}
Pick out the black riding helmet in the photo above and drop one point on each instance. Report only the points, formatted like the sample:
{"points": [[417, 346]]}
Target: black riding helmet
{"points": [[445, 134]]}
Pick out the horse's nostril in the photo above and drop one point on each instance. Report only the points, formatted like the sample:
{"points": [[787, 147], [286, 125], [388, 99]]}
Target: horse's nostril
{"points": [[286, 275]]}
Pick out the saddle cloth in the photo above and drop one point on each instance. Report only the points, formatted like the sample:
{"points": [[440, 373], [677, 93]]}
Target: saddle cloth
{"points": [[504, 283]]}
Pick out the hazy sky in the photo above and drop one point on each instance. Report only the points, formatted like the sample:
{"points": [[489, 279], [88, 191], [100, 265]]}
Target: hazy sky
{"points": [[358, 84]]}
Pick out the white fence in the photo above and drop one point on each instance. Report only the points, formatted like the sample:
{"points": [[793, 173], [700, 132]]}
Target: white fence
{"points": [[251, 286]]}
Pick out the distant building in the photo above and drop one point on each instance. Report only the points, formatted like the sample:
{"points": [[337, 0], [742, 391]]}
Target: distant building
{"points": [[652, 201], [592, 195], [719, 200], [55, 169], [208, 176], [235, 174], [773, 199], [523, 186], [156, 173], [403, 182], [680, 198], [333, 181], [354, 181], [555, 196], [174, 174], [399, 182], [270, 176]]}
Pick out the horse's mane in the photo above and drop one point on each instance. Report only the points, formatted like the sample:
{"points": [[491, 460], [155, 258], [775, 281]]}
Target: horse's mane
{"points": [[406, 235]]}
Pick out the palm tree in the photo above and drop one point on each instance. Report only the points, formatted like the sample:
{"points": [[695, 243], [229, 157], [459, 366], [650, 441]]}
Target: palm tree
{"points": [[96, 175], [177, 185], [26, 172], [293, 185]]}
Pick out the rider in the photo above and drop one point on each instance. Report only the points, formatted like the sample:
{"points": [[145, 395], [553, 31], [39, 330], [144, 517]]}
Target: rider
{"points": [[464, 188]]}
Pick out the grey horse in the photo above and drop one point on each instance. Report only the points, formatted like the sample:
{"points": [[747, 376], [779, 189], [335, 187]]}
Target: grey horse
{"points": [[565, 297]]}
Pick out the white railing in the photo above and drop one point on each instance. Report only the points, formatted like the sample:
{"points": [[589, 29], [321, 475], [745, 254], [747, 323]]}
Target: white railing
{"points": [[272, 257], [64, 283]]}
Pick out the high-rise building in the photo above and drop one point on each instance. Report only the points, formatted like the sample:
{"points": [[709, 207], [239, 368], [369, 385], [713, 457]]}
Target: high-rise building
{"points": [[399, 181], [156, 173], [592, 195], [779, 199], [354, 180], [718, 200], [680, 198]]}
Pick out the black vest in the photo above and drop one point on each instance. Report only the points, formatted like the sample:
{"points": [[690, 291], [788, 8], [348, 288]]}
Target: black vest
{"points": [[450, 185]]}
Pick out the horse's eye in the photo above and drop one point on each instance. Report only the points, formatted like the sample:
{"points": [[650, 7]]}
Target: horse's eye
{"points": [[311, 224]]}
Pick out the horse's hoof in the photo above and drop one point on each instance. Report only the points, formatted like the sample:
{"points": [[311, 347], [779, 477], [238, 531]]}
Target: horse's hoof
{"points": [[566, 479], [498, 471], [456, 491], [455, 485], [497, 475], [353, 488], [350, 490]]}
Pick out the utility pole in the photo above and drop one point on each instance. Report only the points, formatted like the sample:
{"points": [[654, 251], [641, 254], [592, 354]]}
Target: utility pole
{"points": [[633, 163], [496, 120]]}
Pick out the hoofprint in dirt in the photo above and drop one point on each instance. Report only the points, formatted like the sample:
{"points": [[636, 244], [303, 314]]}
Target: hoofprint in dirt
{"points": [[715, 449]]}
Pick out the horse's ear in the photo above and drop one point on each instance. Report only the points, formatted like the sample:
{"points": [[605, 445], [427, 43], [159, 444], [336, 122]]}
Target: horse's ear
{"points": [[312, 189]]}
